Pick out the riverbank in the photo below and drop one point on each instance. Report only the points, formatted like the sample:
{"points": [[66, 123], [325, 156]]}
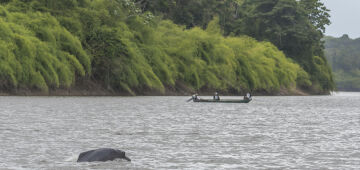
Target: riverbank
{"points": [[90, 88]]}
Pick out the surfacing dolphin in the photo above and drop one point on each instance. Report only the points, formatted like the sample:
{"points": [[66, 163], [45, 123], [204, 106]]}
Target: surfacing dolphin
{"points": [[103, 154]]}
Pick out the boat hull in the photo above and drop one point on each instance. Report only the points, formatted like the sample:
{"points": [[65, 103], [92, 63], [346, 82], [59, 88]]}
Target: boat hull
{"points": [[222, 101]]}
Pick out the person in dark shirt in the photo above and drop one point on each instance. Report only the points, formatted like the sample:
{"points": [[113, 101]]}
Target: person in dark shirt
{"points": [[216, 96], [195, 97]]}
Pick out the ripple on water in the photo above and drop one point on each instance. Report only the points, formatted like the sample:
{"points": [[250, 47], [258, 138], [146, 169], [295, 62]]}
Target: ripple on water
{"points": [[316, 132]]}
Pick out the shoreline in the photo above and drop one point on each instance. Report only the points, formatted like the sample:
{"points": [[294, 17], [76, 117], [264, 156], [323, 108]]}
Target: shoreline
{"points": [[76, 91], [92, 88]]}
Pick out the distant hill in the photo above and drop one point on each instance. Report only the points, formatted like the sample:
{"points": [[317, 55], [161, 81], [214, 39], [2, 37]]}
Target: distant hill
{"points": [[343, 54]]}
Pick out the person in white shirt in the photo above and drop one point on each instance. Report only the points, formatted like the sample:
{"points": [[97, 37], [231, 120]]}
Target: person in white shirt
{"points": [[247, 96], [216, 96], [195, 97]]}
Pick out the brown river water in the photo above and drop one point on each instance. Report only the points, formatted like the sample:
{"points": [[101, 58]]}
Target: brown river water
{"points": [[308, 132]]}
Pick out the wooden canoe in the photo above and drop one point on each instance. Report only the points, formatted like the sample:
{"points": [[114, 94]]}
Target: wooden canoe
{"points": [[224, 100]]}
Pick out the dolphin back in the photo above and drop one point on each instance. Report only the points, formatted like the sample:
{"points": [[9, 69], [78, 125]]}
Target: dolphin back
{"points": [[104, 154]]}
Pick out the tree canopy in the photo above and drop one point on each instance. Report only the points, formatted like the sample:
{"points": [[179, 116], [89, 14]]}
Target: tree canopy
{"points": [[141, 45], [295, 27]]}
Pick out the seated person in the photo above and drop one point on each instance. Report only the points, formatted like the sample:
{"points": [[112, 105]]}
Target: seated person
{"points": [[247, 96], [216, 96], [195, 97]]}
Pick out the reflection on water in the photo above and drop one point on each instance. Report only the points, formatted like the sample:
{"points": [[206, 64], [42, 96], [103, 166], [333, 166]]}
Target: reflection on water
{"points": [[316, 132]]}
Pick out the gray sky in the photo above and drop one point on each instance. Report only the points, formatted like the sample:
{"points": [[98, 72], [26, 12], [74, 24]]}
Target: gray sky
{"points": [[344, 17]]}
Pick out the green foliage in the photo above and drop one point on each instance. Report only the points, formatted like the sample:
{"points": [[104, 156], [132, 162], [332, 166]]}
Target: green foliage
{"points": [[348, 81], [317, 13], [193, 13], [343, 54], [293, 26], [213, 27], [49, 44], [208, 60], [36, 52]]}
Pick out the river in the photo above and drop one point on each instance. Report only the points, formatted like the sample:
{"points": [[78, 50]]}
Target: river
{"points": [[307, 132]]}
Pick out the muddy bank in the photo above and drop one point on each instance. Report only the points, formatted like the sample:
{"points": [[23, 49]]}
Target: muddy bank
{"points": [[91, 88], [79, 91]]}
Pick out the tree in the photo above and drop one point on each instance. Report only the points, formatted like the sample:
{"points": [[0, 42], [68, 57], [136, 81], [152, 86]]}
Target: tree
{"points": [[317, 13], [290, 26]]}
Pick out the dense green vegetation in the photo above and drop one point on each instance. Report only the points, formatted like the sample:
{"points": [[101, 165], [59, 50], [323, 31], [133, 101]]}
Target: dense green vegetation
{"points": [[127, 45], [295, 27], [36, 51], [344, 56]]}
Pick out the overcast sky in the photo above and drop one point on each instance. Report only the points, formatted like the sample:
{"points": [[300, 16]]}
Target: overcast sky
{"points": [[345, 17]]}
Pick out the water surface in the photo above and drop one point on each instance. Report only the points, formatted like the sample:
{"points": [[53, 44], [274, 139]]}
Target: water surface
{"points": [[316, 132]]}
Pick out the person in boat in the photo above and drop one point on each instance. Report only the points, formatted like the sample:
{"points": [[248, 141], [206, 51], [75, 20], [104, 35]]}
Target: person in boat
{"points": [[247, 96], [195, 97], [216, 96]]}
